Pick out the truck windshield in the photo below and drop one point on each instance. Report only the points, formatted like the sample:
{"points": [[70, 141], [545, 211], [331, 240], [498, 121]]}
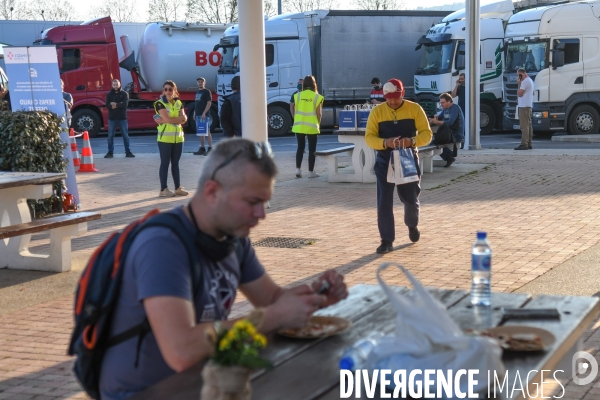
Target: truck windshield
{"points": [[230, 62], [436, 58], [531, 56]]}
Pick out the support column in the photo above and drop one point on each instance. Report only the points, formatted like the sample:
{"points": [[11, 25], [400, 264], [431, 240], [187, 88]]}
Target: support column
{"points": [[472, 75], [253, 86]]}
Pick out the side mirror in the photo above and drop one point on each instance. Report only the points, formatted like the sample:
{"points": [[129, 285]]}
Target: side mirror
{"points": [[216, 47], [456, 73], [558, 58], [418, 47]]}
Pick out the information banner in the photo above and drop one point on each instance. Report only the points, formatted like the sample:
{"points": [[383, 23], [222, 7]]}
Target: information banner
{"points": [[34, 84]]}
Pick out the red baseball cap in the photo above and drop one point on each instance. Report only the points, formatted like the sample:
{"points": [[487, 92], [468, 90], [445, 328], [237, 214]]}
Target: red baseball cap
{"points": [[393, 89]]}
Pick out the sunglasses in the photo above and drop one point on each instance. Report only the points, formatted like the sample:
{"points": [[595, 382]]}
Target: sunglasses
{"points": [[168, 89], [255, 152]]}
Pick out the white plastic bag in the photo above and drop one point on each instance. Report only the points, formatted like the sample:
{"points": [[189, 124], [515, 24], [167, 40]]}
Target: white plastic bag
{"points": [[427, 338]]}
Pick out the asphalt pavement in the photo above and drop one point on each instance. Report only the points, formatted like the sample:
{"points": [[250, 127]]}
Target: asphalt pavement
{"points": [[145, 142]]}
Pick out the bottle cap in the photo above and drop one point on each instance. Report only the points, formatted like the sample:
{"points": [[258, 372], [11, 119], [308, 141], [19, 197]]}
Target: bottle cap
{"points": [[481, 235], [347, 363]]}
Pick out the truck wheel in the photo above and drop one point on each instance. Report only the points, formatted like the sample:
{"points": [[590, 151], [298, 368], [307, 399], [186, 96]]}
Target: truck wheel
{"points": [[487, 119], [584, 120], [280, 121], [87, 120]]}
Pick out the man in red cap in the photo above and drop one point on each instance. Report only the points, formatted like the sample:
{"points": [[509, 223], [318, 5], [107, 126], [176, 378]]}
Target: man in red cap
{"points": [[406, 121]]}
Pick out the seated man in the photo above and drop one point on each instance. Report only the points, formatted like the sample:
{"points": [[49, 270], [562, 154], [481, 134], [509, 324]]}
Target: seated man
{"points": [[451, 116], [236, 180]]}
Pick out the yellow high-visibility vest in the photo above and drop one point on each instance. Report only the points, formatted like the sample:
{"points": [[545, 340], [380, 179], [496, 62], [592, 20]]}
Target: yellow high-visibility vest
{"points": [[170, 133], [305, 118]]}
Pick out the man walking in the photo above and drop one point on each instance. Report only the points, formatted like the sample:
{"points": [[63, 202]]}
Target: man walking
{"points": [[116, 103], [396, 123], [452, 117], [236, 181], [524, 107], [231, 111], [202, 106]]}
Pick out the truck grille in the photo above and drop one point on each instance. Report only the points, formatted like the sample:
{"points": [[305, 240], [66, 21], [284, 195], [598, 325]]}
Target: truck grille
{"points": [[428, 107], [510, 96]]}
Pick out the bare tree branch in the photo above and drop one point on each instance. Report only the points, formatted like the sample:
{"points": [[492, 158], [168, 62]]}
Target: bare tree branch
{"points": [[307, 5], [51, 10], [18, 10], [119, 10], [379, 4], [164, 11], [213, 11]]}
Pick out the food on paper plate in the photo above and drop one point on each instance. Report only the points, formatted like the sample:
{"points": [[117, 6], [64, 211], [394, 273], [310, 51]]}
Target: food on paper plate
{"points": [[318, 327], [518, 341]]}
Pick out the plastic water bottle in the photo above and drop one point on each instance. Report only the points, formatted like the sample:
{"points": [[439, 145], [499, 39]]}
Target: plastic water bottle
{"points": [[355, 356], [481, 271]]}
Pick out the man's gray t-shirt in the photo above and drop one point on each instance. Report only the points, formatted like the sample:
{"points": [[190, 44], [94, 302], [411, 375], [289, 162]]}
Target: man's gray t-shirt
{"points": [[157, 265]]}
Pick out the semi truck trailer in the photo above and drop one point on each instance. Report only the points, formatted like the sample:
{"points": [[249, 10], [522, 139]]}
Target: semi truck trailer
{"points": [[344, 50]]}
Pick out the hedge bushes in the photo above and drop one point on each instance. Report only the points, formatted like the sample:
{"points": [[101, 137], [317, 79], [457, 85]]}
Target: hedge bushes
{"points": [[30, 142]]}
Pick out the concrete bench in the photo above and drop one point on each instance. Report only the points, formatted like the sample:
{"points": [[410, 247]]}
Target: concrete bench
{"points": [[426, 154], [331, 157], [16, 254]]}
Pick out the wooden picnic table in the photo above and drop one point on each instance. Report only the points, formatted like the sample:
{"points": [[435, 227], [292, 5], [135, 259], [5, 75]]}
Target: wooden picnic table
{"points": [[16, 226], [308, 369]]}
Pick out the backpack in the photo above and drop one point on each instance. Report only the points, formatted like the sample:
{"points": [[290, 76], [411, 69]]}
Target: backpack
{"points": [[443, 135], [98, 291]]}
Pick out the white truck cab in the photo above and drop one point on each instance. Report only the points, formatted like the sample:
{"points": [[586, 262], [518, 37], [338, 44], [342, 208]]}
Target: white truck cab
{"points": [[559, 47], [443, 59]]}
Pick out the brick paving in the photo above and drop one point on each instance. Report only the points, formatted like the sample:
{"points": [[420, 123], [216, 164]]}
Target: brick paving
{"points": [[539, 210]]}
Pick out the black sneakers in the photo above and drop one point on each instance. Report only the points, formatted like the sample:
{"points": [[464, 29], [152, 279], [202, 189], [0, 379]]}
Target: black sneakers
{"points": [[522, 147], [208, 150], [413, 234], [201, 151], [385, 247], [109, 155], [129, 155]]}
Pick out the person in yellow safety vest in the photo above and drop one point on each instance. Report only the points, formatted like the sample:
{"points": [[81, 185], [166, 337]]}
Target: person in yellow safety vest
{"points": [[170, 114], [307, 120]]}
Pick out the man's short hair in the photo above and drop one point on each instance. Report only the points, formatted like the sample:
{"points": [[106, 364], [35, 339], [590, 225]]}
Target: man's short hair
{"points": [[231, 156], [375, 80], [521, 71], [235, 83], [461, 74], [446, 97]]}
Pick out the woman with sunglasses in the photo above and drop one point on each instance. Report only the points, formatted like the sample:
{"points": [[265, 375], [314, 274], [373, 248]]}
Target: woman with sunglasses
{"points": [[169, 117]]}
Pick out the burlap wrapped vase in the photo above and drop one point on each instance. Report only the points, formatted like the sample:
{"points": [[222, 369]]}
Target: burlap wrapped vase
{"points": [[225, 383]]}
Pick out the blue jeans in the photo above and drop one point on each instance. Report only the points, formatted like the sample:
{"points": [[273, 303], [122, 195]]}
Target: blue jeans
{"points": [[112, 128]]}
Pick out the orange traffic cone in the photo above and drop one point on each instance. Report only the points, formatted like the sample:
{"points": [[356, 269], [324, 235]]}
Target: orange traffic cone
{"points": [[87, 158], [74, 151]]}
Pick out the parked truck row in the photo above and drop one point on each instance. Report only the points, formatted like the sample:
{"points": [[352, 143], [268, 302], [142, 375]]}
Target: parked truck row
{"points": [[558, 44], [342, 49]]}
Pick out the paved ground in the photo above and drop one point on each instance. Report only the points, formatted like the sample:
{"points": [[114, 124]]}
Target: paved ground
{"points": [[541, 210]]}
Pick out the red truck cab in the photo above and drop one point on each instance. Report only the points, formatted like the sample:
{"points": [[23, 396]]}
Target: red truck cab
{"points": [[88, 63]]}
